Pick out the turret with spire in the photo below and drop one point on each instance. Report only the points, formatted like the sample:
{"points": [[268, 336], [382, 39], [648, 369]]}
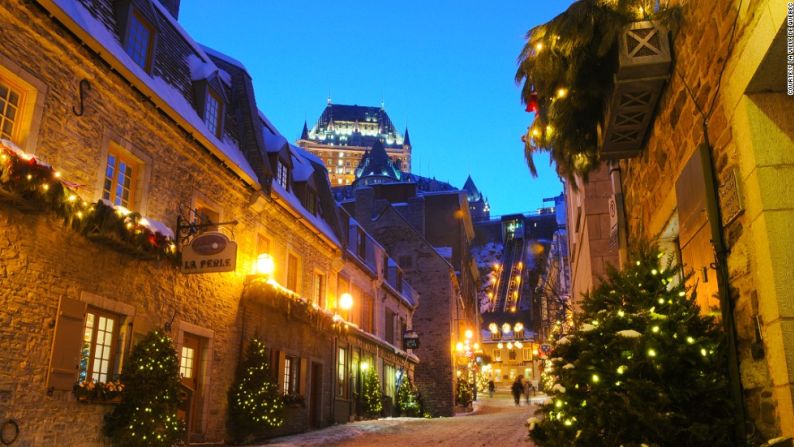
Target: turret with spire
{"points": [[406, 139], [478, 204], [305, 132]]}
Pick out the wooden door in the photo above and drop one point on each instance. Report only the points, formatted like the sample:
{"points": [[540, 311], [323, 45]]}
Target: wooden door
{"points": [[190, 372]]}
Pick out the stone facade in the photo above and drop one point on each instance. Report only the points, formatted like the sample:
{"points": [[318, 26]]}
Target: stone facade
{"points": [[44, 264], [589, 247], [735, 79]]}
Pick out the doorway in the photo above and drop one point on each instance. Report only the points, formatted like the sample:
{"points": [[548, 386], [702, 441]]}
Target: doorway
{"points": [[315, 398]]}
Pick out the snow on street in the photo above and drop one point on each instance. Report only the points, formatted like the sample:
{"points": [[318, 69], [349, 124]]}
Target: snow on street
{"points": [[494, 421]]}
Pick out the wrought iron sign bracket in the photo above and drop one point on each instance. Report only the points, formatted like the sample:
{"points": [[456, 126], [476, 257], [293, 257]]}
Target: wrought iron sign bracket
{"points": [[185, 230]]}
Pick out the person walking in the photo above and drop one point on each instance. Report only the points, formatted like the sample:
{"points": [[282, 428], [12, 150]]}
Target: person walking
{"points": [[517, 389], [527, 389], [491, 388]]}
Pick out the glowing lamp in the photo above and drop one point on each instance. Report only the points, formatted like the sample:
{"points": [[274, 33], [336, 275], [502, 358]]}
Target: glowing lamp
{"points": [[469, 334], [264, 265], [459, 347], [506, 328], [499, 345], [346, 301], [493, 328], [509, 345], [518, 327], [519, 345], [476, 346], [364, 366]]}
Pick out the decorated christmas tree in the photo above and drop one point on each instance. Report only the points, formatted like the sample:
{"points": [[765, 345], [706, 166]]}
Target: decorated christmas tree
{"points": [[407, 400], [255, 404], [642, 367], [464, 394], [371, 395], [147, 414]]}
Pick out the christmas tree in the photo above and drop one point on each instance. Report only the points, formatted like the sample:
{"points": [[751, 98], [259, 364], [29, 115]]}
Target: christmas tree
{"points": [[407, 401], [147, 414], [371, 394], [255, 404], [643, 367], [464, 395]]}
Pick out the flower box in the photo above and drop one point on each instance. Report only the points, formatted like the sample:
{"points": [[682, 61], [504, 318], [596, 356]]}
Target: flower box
{"points": [[88, 391], [644, 62]]}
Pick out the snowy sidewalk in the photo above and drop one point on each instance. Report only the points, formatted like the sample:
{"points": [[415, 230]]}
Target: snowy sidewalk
{"points": [[495, 421]]}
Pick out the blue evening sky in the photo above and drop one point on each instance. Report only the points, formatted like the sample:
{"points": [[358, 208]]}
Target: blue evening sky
{"points": [[443, 67]]}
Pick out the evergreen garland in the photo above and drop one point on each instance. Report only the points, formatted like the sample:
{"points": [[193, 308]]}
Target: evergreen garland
{"points": [[407, 398], [643, 367], [38, 185], [566, 68], [371, 394], [255, 404], [147, 414], [464, 393]]}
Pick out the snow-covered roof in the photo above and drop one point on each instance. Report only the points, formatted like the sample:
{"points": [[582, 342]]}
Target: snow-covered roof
{"points": [[225, 57], [166, 92], [302, 169], [296, 204]]}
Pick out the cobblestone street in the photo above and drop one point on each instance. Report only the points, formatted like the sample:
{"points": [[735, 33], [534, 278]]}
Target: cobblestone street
{"points": [[495, 421]]}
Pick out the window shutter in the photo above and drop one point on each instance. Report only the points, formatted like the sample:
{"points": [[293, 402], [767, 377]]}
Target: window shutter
{"points": [[65, 356], [389, 326], [694, 231]]}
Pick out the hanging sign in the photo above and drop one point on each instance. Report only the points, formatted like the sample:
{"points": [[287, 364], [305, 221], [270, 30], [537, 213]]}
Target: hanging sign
{"points": [[210, 252], [411, 340]]}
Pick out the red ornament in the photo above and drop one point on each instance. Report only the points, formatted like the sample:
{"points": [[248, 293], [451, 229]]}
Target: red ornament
{"points": [[153, 239], [532, 103]]}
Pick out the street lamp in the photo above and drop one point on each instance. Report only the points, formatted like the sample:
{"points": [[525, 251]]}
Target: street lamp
{"points": [[469, 334], [346, 301], [264, 265]]}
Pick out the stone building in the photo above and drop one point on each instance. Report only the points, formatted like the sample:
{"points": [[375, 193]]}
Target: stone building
{"points": [[345, 133], [478, 204], [713, 184], [139, 120]]}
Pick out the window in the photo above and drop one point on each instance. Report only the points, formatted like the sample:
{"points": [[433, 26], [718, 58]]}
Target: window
{"points": [[292, 272], [282, 175], [262, 244], [121, 176], [186, 362], [311, 201], [497, 355], [389, 335], [527, 354], [341, 372], [213, 113], [291, 374], [318, 296], [511, 354], [389, 380], [367, 308], [11, 101], [99, 346], [207, 216], [361, 244], [140, 41]]}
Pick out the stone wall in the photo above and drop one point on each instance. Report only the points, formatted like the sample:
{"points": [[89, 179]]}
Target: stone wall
{"points": [[435, 320], [41, 261], [751, 138]]}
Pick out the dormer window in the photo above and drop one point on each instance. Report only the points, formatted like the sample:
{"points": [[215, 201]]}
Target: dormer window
{"points": [[282, 175], [213, 113], [140, 41]]}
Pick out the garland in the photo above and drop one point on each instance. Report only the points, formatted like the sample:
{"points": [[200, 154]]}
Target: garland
{"points": [[567, 68], [30, 181], [293, 305]]}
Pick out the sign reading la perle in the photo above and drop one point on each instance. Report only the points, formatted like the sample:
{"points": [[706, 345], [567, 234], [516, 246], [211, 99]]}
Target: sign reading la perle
{"points": [[210, 252]]}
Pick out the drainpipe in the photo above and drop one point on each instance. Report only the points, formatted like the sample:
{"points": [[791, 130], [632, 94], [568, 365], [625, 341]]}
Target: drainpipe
{"points": [[617, 191], [723, 281]]}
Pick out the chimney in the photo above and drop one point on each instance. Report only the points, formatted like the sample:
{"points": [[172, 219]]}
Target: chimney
{"points": [[172, 6]]}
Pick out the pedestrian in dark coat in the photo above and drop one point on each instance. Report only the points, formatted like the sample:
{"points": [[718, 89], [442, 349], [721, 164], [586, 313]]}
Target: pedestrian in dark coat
{"points": [[517, 389], [491, 388]]}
